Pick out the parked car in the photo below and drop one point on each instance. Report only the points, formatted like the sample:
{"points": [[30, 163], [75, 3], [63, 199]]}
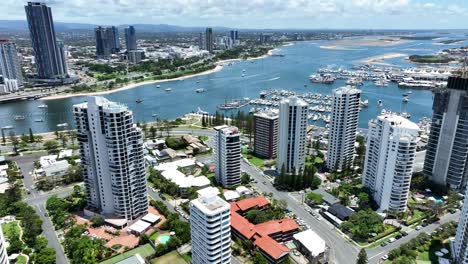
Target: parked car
{"points": [[391, 240], [418, 227], [384, 257], [383, 244]]}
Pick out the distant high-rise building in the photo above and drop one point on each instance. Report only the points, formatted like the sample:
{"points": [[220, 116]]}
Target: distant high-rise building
{"points": [[210, 228], [130, 38], [201, 41], [10, 66], [390, 152], [447, 148], [344, 121], [47, 54], [292, 135], [111, 150], [62, 53], [459, 245], [209, 40], [107, 41], [227, 156], [135, 56], [235, 37], [3, 251], [266, 133]]}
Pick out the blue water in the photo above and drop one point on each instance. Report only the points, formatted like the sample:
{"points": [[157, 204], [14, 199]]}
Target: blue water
{"points": [[164, 238], [289, 72]]}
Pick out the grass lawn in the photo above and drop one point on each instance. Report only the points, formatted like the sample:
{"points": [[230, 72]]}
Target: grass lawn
{"points": [[256, 161], [144, 251], [170, 258], [187, 257], [378, 242], [21, 260], [154, 235], [8, 228], [430, 256]]}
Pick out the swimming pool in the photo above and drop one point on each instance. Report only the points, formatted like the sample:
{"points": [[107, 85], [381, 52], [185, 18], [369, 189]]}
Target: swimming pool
{"points": [[164, 238]]}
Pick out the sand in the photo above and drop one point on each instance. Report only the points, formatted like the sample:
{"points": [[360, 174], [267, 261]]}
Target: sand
{"points": [[371, 42], [379, 60], [335, 47]]}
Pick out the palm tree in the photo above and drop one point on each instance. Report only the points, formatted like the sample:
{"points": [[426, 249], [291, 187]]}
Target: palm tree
{"points": [[436, 208]]}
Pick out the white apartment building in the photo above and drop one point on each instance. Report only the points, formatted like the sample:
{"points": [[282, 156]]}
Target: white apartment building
{"points": [[292, 135], [391, 147], [3, 251], [10, 65], [227, 155], [460, 244], [111, 150], [344, 122], [210, 225]]}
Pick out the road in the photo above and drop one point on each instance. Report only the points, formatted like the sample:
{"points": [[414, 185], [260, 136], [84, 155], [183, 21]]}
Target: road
{"points": [[38, 199], [341, 250], [376, 254]]}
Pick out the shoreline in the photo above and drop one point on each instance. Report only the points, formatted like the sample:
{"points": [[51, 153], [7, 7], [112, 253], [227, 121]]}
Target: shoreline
{"points": [[219, 67], [380, 59], [131, 86]]}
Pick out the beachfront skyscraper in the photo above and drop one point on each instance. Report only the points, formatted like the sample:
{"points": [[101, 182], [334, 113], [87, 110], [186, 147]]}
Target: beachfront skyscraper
{"points": [[292, 135], [10, 65], [209, 40], [48, 59], [234, 37], [390, 152], [3, 249], [130, 38], [266, 133], [344, 121], [227, 156], [111, 150], [210, 228], [447, 148]]}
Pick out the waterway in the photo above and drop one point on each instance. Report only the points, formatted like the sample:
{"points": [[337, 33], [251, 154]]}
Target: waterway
{"points": [[289, 72]]}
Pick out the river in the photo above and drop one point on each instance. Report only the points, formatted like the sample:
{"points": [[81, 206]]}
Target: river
{"points": [[289, 72]]}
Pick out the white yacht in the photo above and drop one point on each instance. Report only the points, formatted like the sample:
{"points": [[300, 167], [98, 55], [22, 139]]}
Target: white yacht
{"points": [[168, 89], [42, 106]]}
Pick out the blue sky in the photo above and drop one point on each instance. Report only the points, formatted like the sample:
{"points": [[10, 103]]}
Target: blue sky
{"points": [[308, 14]]}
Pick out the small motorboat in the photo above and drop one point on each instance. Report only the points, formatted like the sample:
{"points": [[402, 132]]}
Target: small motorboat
{"points": [[139, 101], [19, 118]]}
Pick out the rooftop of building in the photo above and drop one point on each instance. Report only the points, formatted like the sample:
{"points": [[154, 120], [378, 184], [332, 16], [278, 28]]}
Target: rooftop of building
{"points": [[399, 121], [101, 101], [228, 130], [249, 203], [268, 113], [346, 90], [340, 211], [210, 204], [458, 83], [294, 100], [261, 233], [311, 241]]}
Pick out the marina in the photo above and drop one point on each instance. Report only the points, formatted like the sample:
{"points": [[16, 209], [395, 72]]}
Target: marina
{"points": [[262, 77]]}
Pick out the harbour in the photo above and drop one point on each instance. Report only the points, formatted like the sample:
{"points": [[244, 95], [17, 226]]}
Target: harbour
{"points": [[248, 79]]}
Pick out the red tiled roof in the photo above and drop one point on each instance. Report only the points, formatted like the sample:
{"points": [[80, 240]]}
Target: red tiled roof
{"points": [[242, 225], [271, 247], [276, 226], [260, 233], [250, 203]]}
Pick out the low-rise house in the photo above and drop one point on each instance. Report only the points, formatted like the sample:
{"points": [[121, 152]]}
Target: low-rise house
{"points": [[312, 246], [337, 214]]}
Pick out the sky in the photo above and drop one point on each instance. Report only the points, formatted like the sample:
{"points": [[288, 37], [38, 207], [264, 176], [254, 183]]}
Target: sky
{"points": [[258, 14]]}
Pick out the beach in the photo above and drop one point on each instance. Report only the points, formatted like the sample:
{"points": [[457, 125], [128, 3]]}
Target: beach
{"points": [[335, 47], [375, 42], [379, 60], [134, 85]]}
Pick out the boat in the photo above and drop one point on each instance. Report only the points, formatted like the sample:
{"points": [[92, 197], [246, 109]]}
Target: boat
{"points": [[405, 99], [62, 125], [381, 82], [263, 94], [243, 70], [7, 127], [42, 106], [234, 104], [154, 115], [200, 90], [19, 118], [379, 103], [168, 89], [158, 86], [139, 100], [364, 103], [322, 78], [39, 120], [406, 115], [243, 75], [354, 82], [410, 92]]}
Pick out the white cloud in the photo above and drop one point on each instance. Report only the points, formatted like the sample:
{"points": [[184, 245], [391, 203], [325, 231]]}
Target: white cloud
{"points": [[242, 13]]}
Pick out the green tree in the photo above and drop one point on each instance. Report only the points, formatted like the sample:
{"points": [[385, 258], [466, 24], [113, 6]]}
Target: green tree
{"points": [[51, 146], [258, 258], [245, 179], [15, 142], [363, 200], [45, 256], [316, 198], [97, 220], [31, 135], [362, 257]]}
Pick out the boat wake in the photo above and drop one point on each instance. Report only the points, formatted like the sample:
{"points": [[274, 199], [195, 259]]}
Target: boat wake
{"points": [[272, 79]]}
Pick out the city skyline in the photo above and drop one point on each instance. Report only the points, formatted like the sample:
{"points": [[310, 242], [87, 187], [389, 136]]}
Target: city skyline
{"points": [[292, 14]]}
